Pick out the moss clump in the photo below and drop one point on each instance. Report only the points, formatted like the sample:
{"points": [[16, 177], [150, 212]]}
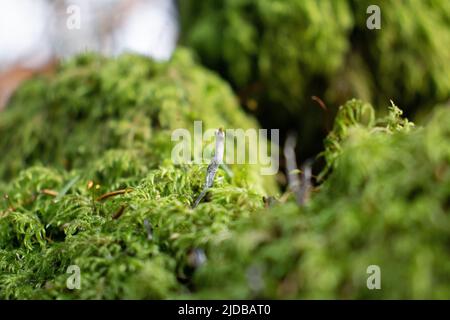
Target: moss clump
{"points": [[88, 179], [135, 245], [277, 54], [385, 202], [286, 48], [119, 113]]}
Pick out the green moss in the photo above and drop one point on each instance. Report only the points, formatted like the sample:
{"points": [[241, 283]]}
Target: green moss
{"points": [[41, 237], [100, 125], [104, 125], [385, 202], [115, 113], [356, 115]]}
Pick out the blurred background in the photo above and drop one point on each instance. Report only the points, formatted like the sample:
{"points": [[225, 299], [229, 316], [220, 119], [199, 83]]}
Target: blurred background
{"points": [[35, 34], [291, 63]]}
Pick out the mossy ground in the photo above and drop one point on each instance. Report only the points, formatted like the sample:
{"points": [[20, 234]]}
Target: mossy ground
{"points": [[100, 126]]}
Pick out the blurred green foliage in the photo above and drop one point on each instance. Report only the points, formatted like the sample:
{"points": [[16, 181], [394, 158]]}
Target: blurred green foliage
{"points": [[385, 203], [279, 53]]}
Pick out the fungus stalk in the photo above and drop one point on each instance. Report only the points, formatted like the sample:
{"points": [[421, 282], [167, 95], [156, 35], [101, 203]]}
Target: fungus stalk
{"points": [[300, 187], [213, 166]]}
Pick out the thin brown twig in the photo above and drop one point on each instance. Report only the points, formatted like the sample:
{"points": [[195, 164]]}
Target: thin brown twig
{"points": [[320, 102], [49, 192], [113, 194], [119, 212], [324, 107]]}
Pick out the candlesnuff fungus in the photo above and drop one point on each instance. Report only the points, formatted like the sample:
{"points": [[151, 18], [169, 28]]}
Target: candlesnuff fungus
{"points": [[291, 163], [213, 166], [300, 187], [305, 182]]}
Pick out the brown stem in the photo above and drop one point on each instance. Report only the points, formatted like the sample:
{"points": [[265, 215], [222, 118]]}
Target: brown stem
{"points": [[119, 212], [113, 194], [49, 192], [327, 114]]}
